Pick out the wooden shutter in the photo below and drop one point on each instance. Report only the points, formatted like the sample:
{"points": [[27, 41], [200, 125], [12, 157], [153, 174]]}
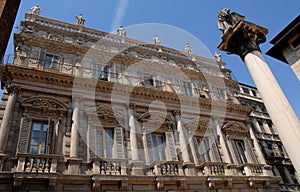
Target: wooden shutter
{"points": [[50, 143], [236, 153], [195, 151], [202, 150], [24, 135], [92, 133], [171, 149], [119, 143], [249, 150], [147, 138], [215, 150]]}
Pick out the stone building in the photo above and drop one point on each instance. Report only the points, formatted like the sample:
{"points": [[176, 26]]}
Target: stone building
{"points": [[267, 137], [85, 110], [286, 46]]}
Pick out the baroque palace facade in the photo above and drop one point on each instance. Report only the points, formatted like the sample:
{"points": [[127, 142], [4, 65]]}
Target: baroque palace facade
{"points": [[84, 110]]}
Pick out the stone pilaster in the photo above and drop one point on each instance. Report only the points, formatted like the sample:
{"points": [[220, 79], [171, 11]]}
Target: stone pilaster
{"points": [[137, 165], [183, 141], [6, 120], [243, 39], [74, 152]]}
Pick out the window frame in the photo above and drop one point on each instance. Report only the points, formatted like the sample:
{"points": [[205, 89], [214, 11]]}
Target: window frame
{"points": [[40, 139], [50, 64], [159, 150]]}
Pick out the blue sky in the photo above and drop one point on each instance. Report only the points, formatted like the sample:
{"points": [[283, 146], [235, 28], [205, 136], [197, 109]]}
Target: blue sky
{"points": [[197, 17]]}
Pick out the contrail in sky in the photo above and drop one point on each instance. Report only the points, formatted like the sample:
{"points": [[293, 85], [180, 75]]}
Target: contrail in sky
{"points": [[121, 10]]}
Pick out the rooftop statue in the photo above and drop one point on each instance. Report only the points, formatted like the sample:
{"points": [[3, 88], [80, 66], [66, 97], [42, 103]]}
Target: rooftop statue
{"points": [[80, 19], [227, 20], [121, 31], [188, 48], [156, 40], [218, 56], [36, 10]]}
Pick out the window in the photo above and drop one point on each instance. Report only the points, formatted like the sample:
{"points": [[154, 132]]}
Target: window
{"points": [[39, 137], [187, 88], [245, 90], [158, 143], [241, 151], [51, 61], [104, 146], [254, 93], [103, 73], [261, 125], [294, 42]]}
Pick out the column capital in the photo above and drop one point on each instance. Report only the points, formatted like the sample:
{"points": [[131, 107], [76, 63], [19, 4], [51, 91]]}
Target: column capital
{"points": [[176, 112], [12, 89], [131, 106], [76, 100], [243, 38]]}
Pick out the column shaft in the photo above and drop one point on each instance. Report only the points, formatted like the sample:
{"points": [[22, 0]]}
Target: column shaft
{"points": [[75, 134], [5, 124], [133, 139], [285, 120], [182, 141]]}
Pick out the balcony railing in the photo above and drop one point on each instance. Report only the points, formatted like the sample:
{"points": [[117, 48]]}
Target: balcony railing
{"points": [[42, 163], [108, 166], [213, 168], [169, 168], [249, 169], [114, 38]]}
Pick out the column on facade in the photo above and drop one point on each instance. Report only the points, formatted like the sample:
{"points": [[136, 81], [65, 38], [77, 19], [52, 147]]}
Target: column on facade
{"points": [[222, 140], [259, 153], [183, 140], [133, 131], [244, 40], [8, 113], [74, 148]]}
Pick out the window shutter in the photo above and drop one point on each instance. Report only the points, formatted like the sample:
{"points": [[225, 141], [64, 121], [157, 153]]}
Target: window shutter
{"points": [[202, 150], [236, 153], [24, 135], [92, 131], [119, 143], [214, 150], [171, 150], [49, 143], [195, 150], [250, 151], [148, 148]]}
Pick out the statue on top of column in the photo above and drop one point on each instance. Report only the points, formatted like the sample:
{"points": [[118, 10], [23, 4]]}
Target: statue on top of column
{"points": [[80, 19], [36, 10], [227, 19]]}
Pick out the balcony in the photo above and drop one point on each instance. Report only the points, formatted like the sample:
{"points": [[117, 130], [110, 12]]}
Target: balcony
{"points": [[169, 168], [250, 169], [33, 163], [213, 169], [101, 166]]}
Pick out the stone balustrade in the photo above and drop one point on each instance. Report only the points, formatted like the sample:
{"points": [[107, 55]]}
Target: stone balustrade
{"points": [[108, 166], [213, 168], [114, 38], [32, 163], [249, 169], [169, 168]]}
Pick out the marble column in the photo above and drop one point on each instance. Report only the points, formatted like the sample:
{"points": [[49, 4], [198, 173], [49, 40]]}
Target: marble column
{"points": [[6, 120], [225, 150], [133, 131], [137, 164], [183, 141], [74, 152], [259, 153], [243, 39]]}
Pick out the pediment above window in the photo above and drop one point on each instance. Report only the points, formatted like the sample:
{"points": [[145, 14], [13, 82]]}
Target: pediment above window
{"points": [[44, 103], [234, 127]]}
